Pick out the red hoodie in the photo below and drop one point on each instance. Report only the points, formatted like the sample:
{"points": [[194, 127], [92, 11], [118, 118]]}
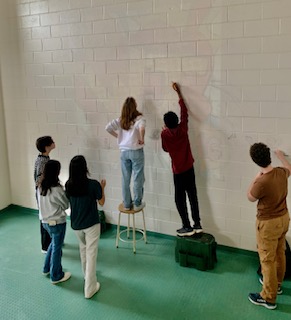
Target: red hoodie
{"points": [[176, 142]]}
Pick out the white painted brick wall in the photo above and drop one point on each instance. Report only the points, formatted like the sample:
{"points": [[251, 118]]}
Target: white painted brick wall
{"points": [[74, 4], [32, 45], [41, 32], [51, 44], [153, 21], [49, 19], [93, 41], [116, 39], [59, 5], [44, 81], [63, 80], [79, 59], [91, 14], [141, 37], [104, 26], [70, 16], [72, 67], [154, 51], [125, 53]]}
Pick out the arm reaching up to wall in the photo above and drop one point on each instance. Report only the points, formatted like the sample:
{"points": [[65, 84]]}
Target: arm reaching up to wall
{"points": [[281, 156]]}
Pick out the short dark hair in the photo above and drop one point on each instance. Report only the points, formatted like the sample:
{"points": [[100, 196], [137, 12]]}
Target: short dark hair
{"points": [[43, 142], [260, 153], [171, 120]]}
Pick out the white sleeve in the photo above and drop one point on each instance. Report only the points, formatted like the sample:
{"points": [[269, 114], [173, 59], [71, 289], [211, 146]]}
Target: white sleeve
{"points": [[61, 198], [114, 125], [141, 122]]}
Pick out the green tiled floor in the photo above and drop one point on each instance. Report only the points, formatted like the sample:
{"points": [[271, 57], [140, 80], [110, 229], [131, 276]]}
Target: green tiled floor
{"points": [[148, 285]]}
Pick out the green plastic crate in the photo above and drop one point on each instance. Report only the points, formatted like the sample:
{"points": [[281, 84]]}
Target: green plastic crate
{"points": [[198, 251]]}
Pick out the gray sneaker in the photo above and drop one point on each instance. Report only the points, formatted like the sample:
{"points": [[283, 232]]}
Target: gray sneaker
{"points": [[197, 228], [185, 232], [140, 207]]}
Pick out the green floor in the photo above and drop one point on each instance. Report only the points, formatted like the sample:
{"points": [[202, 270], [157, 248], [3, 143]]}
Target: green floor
{"points": [[148, 285]]}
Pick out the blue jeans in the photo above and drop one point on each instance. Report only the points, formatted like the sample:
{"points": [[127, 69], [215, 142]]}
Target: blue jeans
{"points": [[132, 163], [53, 258]]}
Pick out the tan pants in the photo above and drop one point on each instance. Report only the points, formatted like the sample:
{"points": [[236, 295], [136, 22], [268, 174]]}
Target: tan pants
{"points": [[271, 248]]}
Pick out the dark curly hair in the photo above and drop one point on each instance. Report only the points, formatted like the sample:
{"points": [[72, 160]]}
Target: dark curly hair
{"points": [[260, 154], [171, 120]]}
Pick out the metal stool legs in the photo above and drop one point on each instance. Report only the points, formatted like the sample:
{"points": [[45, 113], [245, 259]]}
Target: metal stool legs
{"points": [[129, 228]]}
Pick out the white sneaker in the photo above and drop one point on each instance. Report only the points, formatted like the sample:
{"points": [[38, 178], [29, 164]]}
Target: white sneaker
{"points": [[94, 292], [43, 251], [140, 207], [66, 276]]}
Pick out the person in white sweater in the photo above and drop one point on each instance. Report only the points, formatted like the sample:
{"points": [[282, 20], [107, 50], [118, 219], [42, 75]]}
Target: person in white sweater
{"points": [[53, 202], [129, 129]]}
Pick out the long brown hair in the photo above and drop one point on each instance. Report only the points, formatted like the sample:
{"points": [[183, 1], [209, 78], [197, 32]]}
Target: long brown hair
{"points": [[128, 113]]}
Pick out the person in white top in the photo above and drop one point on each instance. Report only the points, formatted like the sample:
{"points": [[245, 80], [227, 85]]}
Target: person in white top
{"points": [[53, 202], [129, 129]]}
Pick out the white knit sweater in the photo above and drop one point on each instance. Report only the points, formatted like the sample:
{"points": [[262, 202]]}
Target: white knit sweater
{"points": [[52, 206]]}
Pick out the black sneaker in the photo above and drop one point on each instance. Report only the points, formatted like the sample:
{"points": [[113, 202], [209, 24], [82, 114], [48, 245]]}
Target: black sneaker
{"points": [[256, 299], [279, 290], [183, 232], [197, 228]]}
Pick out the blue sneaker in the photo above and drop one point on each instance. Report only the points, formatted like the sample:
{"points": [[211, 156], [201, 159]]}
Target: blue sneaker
{"points": [[256, 299]]}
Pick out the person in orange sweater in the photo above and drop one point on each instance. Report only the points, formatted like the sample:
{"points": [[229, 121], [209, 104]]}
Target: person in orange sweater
{"points": [[269, 189]]}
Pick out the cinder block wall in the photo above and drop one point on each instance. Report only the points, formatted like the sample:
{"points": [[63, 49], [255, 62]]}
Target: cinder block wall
{"points": [[70, 64]]}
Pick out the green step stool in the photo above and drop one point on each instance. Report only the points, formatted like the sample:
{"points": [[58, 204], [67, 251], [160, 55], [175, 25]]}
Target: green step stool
{"points": [[197, 251]]}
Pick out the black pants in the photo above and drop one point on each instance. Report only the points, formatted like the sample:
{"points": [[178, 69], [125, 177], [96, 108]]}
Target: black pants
{"points": [[45, 238], [185, 184]]}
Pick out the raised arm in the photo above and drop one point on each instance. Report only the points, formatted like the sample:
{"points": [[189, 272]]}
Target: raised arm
{"points": [[184, 111], [176, 87], [281, 156]]}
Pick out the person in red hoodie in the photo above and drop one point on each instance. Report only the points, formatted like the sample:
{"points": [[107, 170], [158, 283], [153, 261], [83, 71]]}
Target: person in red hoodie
{"points": [[175, 141]]}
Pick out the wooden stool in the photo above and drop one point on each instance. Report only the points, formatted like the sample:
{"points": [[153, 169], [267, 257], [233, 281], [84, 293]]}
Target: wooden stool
{"points": [[129, 213]]}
